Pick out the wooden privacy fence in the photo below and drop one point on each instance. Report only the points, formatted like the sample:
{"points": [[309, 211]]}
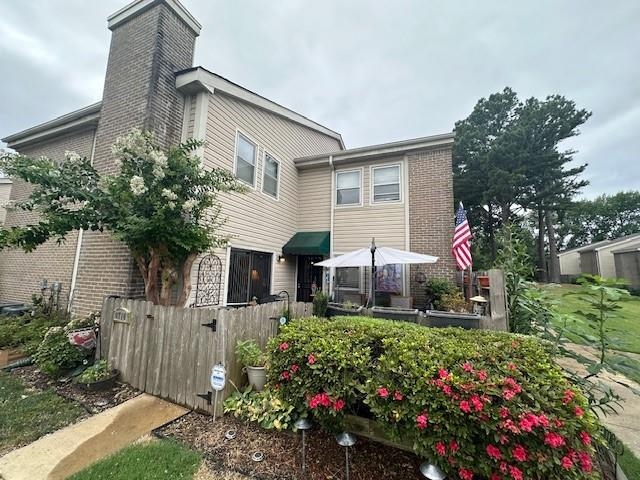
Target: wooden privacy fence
{"points": [[169, 351]]}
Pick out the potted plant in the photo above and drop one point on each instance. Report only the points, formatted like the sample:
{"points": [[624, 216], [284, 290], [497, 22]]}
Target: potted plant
{"points": [[249, 354], [97, 377]]}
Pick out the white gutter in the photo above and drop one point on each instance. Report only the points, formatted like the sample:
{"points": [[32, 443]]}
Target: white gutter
{"points": [[76, 260], [333, 180]]}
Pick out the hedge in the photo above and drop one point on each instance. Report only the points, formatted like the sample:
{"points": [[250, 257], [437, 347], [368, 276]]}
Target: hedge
{"points": [[480, 404]]}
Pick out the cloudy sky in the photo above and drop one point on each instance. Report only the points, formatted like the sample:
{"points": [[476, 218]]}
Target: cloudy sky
{"points": [[375, 71]]}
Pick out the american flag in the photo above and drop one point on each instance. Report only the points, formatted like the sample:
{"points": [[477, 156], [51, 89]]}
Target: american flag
{"points": [[462, 240]]}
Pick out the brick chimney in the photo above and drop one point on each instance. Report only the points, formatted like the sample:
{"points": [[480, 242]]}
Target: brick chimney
{"points": [[150, 41]]}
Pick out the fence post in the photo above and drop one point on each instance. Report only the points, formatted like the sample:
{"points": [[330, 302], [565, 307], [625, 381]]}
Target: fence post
{"points": [[498, 300]]}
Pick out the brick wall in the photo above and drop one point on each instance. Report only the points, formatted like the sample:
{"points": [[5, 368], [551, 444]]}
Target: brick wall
{"points": [[139, 91], [21, 273], [431, 216]]}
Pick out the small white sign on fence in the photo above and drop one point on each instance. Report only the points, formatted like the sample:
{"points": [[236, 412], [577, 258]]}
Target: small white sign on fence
{"points": [[121, 315], [218, 377]]}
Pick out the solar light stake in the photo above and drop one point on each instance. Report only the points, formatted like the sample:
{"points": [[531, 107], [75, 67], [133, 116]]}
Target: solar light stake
{"points": [[303, 424], [346, 440], [431, 471]]}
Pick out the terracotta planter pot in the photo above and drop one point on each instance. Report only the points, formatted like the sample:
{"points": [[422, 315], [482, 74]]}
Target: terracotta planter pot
{"points": [[257, 377], [483, 281]]}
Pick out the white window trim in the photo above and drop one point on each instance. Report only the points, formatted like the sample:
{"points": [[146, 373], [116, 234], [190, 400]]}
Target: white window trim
{"points": [[257, 157], [372, 168], [266, 152], [335, 192]]}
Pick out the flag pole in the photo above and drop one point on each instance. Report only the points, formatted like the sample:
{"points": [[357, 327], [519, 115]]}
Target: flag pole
{"points": [[470, 287]]}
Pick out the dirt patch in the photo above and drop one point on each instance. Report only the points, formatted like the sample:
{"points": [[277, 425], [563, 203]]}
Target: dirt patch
{"points": [[325, 459], [93, 402]]}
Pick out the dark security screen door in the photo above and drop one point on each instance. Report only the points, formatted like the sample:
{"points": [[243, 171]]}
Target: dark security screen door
{"points": [[249, 276], [307, 275]]}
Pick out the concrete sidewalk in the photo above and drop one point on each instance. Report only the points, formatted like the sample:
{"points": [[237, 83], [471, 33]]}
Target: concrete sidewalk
{"points": [[626, 423], [67, 451]]}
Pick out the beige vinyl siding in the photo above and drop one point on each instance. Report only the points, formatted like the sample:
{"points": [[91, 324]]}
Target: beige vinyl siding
{"points": [[569, 263], [607, 260], [314, 199], [256, 220], [5, 194], [353, 226]]}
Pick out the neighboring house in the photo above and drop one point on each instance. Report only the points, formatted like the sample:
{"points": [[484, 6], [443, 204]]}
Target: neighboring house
{"points": [[308, 198], [597, 258], [570, 259], [627, 261], [5, 194]]}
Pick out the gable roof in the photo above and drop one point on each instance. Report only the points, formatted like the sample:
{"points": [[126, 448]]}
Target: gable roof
{"points": [[380, 150], [609, 243], [82, 118], [192, 80], [633, 246]]}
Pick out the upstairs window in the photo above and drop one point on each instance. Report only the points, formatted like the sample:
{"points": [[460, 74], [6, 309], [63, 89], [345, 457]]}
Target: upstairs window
{"points": [[245, 160], [386, 184], [348, 188], [271, 175]]}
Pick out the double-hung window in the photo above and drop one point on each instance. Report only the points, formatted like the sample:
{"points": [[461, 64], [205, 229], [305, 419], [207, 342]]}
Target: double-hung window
{"points": [[246, 160], [386, 184], [271, 175], [348, 188]]}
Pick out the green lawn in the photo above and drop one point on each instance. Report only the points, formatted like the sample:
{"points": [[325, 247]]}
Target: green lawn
{"points": [[630, 464], [27, 415], [148, 461], [625, 328]]}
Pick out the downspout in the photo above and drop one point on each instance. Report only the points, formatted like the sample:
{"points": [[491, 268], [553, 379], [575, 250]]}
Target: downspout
{"points": [[332, 199], [76, 260]]}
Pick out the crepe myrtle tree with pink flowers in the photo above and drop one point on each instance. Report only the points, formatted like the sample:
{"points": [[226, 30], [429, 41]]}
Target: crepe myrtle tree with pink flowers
{"points": [[480, 404], [161, 203]]}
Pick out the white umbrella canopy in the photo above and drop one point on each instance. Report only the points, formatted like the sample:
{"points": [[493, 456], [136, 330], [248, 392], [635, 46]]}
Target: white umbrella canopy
{"points": [[383, 256]]}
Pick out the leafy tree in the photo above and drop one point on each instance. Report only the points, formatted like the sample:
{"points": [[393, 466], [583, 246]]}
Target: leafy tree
{"points": [[603, 218], [162, 205], [507, 161]]}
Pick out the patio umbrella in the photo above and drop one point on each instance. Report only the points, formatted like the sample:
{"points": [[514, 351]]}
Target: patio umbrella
{"points": [[376, 257]]}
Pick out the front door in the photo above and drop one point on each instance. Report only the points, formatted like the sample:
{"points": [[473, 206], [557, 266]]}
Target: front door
{"points": [[308, 276]]}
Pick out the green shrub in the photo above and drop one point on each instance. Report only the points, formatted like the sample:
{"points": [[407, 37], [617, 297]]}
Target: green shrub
{"points": [[265, 407], [25, 332], [249, 354], [436, 288], [453, 302], [96, 372], [475, 402], [320, 303], [55, 354]]}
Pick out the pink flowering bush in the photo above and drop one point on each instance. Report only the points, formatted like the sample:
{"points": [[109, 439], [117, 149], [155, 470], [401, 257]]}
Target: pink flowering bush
{"points": [[480, 404]]}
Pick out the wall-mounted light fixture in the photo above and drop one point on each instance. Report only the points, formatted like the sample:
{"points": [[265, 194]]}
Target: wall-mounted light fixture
{"points": [[281, 259]]}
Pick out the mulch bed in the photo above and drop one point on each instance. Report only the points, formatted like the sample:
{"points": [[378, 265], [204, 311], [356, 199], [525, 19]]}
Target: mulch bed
{"points": [[93, 402], [325, 459]]}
